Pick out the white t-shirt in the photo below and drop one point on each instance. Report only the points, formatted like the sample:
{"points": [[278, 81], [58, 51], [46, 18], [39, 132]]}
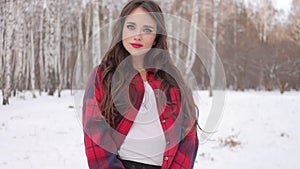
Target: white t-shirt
{"points": [[145, 141]]}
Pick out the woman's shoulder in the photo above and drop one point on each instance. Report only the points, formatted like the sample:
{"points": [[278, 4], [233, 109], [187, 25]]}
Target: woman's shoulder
{"points": [[96, 74], [98, 70]]}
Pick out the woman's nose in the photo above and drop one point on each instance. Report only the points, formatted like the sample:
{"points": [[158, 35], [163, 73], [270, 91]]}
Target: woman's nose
{"points": [[137, 36]]}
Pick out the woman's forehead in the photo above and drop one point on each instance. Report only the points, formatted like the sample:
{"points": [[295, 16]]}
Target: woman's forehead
{"points": [[141, 17]]}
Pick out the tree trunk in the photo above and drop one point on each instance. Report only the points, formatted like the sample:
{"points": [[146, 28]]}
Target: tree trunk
{"points": [[78, 71], [51, 53], [192, 38], [181, 10], [88, 60], [2, 54], [41, 47], [203, 15], [8, 44], [110, 20], [59, 57], [216, 12], [96, 34], [18, 78], [32, 57]]}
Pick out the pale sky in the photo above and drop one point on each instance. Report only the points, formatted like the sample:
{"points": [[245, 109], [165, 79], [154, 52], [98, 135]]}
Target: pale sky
{"points": [[279, 4], [282, 4]]}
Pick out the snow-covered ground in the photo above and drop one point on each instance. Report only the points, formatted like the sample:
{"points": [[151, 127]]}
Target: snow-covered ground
{"points": [[259, 130]]}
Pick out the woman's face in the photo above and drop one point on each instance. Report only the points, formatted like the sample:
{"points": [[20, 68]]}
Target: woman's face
{"points": [[139, 32]]}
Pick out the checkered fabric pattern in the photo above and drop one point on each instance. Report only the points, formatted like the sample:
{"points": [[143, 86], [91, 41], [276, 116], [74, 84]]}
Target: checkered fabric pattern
{"points": [[102, 140]]}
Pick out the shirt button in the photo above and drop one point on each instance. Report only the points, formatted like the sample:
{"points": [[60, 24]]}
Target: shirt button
{"points": [[163, 120], [166, 158], [168, 142]]}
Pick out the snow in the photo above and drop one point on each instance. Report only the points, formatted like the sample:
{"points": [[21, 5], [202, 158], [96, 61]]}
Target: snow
{"points": [[258, 130]]}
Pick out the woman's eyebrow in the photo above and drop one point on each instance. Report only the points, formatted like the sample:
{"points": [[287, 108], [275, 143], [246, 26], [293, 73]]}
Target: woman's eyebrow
{"points": [[149, 26], [130, 23]]}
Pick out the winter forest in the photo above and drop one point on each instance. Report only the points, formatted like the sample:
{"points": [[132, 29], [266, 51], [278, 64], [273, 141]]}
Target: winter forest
{"points": [[44, 41]]}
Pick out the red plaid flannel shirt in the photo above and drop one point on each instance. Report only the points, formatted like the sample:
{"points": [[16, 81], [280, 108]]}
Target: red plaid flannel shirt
{"points": [[102, 141]]}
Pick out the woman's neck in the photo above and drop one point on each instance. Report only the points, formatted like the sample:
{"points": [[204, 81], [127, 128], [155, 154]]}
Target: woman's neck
{"points": [[138, 64]]}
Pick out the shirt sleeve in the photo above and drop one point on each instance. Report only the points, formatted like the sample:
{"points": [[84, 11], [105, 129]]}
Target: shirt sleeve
{"points": [[100, 148], [188, 146], [187, 151]]}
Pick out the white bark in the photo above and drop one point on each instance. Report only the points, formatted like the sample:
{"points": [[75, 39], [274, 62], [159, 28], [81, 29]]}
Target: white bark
{"points": [[295, 20], [181, 35], [51, 53], [177, 44], [27, 61], [46, 49], [204, 6], [87, 25], [18, 81], [8, 44], [58, 48], [41, 46], [169, 24], [216, 13], [32, 57], [192, 38], [96, 34], [110, 19], [87, 59], [80, 43], [263, 19], [1, 43], [27, 49], [66, 59]]}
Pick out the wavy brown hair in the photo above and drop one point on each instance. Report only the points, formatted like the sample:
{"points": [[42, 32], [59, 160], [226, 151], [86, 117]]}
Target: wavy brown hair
{"points": [[154, 58]]}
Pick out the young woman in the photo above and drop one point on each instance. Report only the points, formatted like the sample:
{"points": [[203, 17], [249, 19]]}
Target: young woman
{"points": [[137, 111]]}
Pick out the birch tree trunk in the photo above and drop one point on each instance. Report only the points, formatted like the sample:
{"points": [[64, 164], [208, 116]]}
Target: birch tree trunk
{"points": [[51, 53], [78, 82], [216, 13], [203, 10], [1, 44], [41, 46], [88, 60], [204, 6], [87, 24], [295, 20], [59, 57], [169, 24], [263, 19], [32, 57], [8, 45], [96, 34], [27, 49], [110, 20], [18, 76], [178, 35], [192, 38]]}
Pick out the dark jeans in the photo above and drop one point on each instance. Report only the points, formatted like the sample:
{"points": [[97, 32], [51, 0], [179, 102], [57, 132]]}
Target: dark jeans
{"points": [[137, 165]]}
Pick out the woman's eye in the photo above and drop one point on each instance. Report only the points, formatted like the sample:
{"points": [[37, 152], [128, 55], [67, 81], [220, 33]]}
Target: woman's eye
{"points": [[130, 27], [147, 30]]}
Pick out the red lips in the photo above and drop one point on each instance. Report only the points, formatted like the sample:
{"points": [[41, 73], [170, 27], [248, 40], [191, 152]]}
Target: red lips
{"points": [[136, 45]]}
